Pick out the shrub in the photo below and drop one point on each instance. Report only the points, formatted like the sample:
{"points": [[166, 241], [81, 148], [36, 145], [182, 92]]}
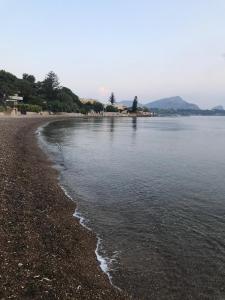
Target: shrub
{"points": [[57, 106], [95, 106], [23, 108], [111, 108], [2, 108], [35, 100]]}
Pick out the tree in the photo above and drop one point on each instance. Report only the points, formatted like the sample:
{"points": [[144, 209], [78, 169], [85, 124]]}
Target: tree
{"points": [[95, 106], [112, 99], [111, 108], [29, 78], [47, 94], [64, 97], [50, 85], [135, 103], [25, 89], [98, 107], [7, 85], [70, 93]]}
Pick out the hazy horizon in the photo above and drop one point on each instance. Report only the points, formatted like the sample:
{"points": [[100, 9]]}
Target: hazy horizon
{"points": [[152, 50]]}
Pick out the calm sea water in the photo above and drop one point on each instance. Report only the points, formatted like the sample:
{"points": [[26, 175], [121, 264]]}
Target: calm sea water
{"points": [[153, 189]]}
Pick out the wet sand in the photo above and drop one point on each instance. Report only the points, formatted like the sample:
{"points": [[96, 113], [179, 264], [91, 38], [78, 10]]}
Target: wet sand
{"points": [[44, 252]]}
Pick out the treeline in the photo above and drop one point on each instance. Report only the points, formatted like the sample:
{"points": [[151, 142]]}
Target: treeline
{"points": [[43, 95]]}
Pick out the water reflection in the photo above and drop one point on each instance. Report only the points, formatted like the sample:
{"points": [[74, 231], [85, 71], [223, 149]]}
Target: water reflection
{"points": [[134, 123], [112, 124]]}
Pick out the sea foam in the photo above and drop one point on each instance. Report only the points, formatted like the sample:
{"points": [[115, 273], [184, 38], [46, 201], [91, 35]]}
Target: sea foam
{"points": [[103, 261]]}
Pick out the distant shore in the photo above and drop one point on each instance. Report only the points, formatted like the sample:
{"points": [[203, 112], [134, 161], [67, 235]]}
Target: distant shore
{"points": [[72, 115], [44, 252]]}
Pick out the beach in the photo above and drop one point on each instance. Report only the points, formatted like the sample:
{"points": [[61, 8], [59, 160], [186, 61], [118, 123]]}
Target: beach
{"points": [[44, 252]]}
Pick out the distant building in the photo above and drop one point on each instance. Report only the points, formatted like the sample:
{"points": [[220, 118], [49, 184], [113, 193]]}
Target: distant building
{"points": [[86, 100], [120, 107], [14, 99], [146, 113]]}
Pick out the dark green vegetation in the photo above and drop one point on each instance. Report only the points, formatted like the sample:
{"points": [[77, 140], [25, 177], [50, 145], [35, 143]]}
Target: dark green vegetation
{"points": [[135, 104], [111, 108], [112, 99], [23, 108], [42, 95], [96, 107]]}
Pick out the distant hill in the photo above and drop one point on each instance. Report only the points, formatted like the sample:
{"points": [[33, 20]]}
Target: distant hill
{"points": [[129, 103], [218, 107], [165, 103], [172, 103]]}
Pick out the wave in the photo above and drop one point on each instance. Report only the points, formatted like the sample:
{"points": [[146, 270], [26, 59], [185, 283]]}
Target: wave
{"points": [[104, 262]]}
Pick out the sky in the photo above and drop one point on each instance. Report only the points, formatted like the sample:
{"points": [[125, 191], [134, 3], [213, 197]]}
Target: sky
{"points": [[152, 49]]}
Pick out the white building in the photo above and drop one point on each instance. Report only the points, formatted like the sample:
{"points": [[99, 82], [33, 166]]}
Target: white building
{"points": [[14, 99]]}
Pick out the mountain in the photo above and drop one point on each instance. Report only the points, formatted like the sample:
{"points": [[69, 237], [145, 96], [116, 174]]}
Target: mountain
{"points": [[129, 103], [218, 107], [165, 103], [172, 103]]}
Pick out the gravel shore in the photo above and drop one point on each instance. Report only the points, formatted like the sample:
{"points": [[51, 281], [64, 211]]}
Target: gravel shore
{"points": [[44, 252]]}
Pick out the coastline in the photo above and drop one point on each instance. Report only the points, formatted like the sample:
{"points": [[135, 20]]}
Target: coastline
{"points": [[45, 252]]}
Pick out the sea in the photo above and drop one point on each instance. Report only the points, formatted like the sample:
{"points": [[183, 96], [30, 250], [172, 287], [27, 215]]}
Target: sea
{"points": [[153, 191]]}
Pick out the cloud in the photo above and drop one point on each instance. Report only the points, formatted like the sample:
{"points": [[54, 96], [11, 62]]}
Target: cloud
{"points": [[223, 55]]}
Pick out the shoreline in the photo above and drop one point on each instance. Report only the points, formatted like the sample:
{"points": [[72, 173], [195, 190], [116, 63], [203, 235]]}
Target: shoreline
{"points": [[72, 115], [45, 252], [101, 260]]}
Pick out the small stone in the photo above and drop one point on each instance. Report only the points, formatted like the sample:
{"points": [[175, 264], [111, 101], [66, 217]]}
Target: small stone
{"points": [[47, 279]]}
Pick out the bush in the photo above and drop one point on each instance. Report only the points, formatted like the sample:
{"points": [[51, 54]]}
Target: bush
{"points": [[111, 108], [35, 100], [95, 106], [83, 110], [2, 108], [23, 108], [57, 106]]}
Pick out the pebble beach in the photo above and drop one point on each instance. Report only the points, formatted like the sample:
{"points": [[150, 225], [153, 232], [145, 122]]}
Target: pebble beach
{"points": [[44, 252]]}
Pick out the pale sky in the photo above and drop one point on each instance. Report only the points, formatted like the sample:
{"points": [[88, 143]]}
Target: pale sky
{"points": [[152, 49]]}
